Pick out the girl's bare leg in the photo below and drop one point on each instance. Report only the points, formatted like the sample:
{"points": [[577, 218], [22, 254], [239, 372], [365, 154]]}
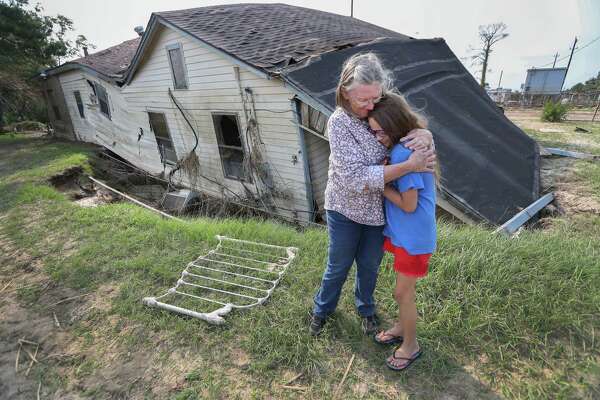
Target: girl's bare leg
{"points": [[405, 297]]}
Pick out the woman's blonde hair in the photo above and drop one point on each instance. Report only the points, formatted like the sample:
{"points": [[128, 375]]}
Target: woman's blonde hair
{"points": [[361, 69]]}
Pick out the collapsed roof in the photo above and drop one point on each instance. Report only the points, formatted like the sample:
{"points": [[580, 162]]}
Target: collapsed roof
{"points": [[490, 168]]}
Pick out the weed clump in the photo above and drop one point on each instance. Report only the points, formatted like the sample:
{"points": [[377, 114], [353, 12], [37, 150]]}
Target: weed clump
{"points": [[554, 111]]}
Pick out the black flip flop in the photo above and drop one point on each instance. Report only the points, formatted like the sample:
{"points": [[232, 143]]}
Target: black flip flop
{"points": [[392, 340], [408, 363]]}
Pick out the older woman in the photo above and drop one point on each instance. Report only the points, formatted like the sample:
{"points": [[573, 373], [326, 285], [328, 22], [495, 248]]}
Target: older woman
{"points": [[353, 197]]}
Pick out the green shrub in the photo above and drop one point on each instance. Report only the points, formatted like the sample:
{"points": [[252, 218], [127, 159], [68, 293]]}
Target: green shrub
{"points": [[554, 112]]}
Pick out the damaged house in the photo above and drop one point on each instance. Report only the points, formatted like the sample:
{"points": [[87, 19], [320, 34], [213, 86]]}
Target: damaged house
{"points": [[233, 101]]}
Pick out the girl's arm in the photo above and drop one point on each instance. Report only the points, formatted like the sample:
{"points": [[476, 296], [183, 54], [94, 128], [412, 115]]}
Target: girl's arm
{"points": [[406, 201]]}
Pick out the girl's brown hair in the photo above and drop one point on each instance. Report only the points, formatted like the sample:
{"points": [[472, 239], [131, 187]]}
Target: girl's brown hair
{"points": [[396, 117]]}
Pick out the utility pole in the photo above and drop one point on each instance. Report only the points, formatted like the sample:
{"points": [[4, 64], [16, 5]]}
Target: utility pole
{"points": [[555, 57], [351, 8], [500, 80], [569, 63]]}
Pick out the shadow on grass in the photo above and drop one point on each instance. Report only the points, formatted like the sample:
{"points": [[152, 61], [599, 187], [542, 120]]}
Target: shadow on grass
{"points": [[434, 375]]}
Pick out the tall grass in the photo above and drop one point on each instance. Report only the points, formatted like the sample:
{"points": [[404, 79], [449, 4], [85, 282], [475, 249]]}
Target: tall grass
{"points": [[518, 316]]}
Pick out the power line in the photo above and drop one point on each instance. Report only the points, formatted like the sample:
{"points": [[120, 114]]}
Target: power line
{"points": [[574, 52]]}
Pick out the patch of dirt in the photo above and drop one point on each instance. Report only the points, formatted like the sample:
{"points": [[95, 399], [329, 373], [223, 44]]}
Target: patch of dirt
{"points": [[81, 190], [240, 358], [18, 322], [571, 197], [102, 360]]}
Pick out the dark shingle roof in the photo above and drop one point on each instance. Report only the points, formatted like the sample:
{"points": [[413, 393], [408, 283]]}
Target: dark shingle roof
{"points": [[273, 36], [113, 61]]}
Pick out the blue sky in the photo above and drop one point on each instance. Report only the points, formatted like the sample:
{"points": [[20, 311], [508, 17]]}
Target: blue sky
{"points": [[538, 28]]}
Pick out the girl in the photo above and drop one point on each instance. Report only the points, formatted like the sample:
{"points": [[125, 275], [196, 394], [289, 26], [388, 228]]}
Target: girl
{"points": [[410, 229]]}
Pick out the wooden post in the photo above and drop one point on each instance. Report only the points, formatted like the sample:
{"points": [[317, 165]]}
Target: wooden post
{"points": [[568, 64]]}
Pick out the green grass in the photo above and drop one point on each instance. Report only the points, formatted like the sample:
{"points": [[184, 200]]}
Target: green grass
{"points": [[569, 139], [589, 173], [515, 317]]}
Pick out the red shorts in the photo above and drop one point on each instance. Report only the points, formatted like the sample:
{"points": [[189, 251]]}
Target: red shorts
{"points": [[405, 263]]}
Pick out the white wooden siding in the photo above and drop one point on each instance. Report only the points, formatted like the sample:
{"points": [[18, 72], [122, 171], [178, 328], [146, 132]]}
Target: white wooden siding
{"points": [[318, 159], [212, 88], [120, 132]]}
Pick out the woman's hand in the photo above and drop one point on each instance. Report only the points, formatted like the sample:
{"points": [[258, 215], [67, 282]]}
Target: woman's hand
{"points": [[422, 161], [418, 139]]}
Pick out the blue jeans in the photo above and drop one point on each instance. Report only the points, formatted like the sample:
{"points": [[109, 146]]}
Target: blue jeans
{"points": [[348, 242]]}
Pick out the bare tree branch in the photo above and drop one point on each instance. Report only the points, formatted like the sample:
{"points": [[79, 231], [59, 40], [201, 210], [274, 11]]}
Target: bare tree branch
{"points": [[489, 35]]}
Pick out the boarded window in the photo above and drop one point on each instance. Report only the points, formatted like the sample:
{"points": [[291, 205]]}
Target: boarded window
{"points": [[175, 55], [158, 125], [230, 145], [79, 103], [103, 100]]}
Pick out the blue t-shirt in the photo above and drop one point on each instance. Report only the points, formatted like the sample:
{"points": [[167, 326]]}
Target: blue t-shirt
{"points": [[416, 231]]}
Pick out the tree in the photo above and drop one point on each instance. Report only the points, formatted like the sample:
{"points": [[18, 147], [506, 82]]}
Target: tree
{"points": [[591, 85], [29, 43], [489, 36]]}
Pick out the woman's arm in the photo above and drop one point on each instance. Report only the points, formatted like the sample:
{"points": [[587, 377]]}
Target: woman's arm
{"points": [[349, 164], [419, 139], [419, 161], [406, 201]]}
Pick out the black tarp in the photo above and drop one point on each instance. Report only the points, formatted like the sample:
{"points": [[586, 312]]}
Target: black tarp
{"points": [[490, 168]]}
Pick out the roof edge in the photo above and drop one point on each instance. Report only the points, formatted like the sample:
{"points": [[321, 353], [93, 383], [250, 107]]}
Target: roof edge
{"points": [[156, 19], [71, 66]]}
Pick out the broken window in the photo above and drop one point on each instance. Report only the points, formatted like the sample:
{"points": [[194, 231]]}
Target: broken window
{"points": [[314, 120], [231, 150], [77, 95], [158, 125], [175, 54], [103, 100]]}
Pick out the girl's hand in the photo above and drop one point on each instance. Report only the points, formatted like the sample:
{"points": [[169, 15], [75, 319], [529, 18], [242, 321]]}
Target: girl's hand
{"points": [[418, 139], [386, 161], [422, 161]]}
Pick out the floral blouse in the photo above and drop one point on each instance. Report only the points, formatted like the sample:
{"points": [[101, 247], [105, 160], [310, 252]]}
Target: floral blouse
{"points": [[355, 179]]}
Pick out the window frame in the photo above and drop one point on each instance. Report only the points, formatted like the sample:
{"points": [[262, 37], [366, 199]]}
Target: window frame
{"points": [[163, 158], [101, 89], [79, 103], [247, 175], [177, 46]]}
